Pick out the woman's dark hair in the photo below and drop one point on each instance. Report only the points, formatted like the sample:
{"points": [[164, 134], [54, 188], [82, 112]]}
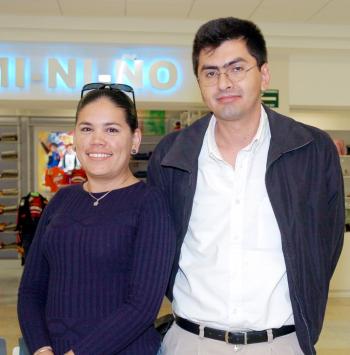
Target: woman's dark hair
{"points": [[213, 33], [118, 98]]}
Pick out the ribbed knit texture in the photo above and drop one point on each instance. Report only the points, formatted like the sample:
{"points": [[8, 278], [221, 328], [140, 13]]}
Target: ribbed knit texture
{"points": [[95, 276]]}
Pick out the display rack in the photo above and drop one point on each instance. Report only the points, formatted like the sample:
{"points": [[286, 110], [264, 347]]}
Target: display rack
{"points": [[139, 162], [9, 189]]}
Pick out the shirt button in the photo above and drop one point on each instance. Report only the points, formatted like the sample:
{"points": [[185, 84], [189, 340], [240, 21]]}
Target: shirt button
{"points": [[238, 202]]}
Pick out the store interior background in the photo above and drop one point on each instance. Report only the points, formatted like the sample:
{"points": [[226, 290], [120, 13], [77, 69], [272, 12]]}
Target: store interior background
{"points": [[309, 58]]}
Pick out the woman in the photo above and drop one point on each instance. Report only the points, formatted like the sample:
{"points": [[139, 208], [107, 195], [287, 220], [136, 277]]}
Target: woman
{"points": [[100, 260]]}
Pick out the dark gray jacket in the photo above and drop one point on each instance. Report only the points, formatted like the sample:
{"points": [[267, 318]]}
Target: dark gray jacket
{"points": [[305, 186]]}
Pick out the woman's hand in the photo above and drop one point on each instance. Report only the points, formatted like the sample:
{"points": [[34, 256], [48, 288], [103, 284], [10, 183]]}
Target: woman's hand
{"points": [[70, 352]]}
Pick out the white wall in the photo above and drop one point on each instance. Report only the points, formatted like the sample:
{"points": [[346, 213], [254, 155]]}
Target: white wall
{"points": [[326, 119], [320, 79]]}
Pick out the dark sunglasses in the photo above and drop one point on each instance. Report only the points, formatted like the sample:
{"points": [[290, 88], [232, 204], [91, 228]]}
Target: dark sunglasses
{"points": [[118, 87]]}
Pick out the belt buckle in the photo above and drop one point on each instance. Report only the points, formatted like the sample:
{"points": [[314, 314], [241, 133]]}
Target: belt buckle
{"points": [[245, 335]]}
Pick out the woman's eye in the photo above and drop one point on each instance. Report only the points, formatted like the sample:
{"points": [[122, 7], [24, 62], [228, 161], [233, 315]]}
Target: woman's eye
{"points": [[85, 129], [112, 130]]}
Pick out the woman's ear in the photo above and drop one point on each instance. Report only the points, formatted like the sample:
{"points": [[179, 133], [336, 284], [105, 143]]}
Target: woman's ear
{"points": [[136, 141]]}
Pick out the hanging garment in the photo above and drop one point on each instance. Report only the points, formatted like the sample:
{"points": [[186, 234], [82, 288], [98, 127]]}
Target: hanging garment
{"points": [[30, 210]]}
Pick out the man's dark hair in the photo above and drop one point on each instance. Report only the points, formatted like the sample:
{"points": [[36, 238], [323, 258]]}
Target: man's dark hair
{"points": [[213, 33], [118, 98]]}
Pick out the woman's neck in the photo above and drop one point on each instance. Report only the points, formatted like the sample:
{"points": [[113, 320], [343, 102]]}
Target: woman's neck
{"points": [[95, 184]]}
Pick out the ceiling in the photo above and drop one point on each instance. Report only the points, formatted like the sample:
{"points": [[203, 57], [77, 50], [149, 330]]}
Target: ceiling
{"points": [[329, 12]]}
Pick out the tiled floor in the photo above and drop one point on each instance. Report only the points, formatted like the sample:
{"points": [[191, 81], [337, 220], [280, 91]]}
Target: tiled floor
{"points": [[335, 337]]}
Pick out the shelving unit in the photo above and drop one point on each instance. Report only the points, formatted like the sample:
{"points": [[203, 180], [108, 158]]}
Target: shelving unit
{"points": [[139, 166], [9, 189]]}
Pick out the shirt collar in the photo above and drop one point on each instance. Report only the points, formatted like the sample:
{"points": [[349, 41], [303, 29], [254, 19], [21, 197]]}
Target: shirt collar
{"points": [[259, 137]]}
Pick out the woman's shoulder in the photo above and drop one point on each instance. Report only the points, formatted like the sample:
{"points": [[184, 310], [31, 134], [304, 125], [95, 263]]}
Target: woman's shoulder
{"points": [[68, 190], [142, 193], [146, 189], [64, 192], [151, 194]]}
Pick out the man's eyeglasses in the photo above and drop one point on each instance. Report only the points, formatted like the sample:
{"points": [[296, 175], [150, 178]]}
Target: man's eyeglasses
{"points": [[118, 87], [234, 72]]}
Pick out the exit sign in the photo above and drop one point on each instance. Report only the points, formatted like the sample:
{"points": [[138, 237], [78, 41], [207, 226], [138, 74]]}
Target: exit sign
{"points": [[270, 98]]}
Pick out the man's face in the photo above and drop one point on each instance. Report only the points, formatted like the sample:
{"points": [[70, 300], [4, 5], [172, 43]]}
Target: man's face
{"points": [[229, 99]]}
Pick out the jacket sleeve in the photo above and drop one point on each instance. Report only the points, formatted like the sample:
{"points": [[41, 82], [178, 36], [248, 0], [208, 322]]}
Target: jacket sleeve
{"points": [[336, 205], [153, 254], [33, 290], [155, 172]]}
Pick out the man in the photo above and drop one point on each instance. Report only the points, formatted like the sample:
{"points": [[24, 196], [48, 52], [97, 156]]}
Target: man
{"points": [[257, 200]]}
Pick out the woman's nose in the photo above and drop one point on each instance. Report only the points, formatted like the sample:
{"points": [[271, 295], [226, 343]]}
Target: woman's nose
{"points": [[98, 137]]}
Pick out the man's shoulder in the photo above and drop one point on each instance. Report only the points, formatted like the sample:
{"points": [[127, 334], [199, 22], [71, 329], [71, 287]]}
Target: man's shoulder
{"points": [[292, 126]]}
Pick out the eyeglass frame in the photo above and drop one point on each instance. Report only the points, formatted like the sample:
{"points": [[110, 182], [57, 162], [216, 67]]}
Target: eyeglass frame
{"points": [[111, 86], [226, 67]]}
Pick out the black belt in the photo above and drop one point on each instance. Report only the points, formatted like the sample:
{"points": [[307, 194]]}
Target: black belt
{"points": [[249, 337]]}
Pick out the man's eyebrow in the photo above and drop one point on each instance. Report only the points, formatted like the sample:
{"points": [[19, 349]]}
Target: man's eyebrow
{"points": [[234, 61]]}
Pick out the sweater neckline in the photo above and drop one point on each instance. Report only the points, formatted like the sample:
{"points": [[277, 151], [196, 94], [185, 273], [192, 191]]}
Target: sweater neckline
{"points": [[97, 194]]}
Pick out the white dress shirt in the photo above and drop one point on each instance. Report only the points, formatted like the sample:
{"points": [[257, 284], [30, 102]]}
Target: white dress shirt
{"points": [[232, 273]]}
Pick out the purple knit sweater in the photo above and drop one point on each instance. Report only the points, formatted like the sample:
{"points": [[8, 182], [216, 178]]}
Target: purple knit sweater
{"points": [[95, 276]]}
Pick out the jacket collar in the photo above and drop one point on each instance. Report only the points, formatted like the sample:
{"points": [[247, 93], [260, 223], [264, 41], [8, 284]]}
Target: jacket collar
{"points": [[185, 150], [286, 136]]}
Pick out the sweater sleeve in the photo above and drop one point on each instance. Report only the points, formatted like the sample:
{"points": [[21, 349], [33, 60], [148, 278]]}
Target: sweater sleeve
{"points": [[152, 258], [33, 290]]}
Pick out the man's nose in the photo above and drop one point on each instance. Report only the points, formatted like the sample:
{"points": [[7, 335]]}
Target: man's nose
{"points": [[224, 82]]}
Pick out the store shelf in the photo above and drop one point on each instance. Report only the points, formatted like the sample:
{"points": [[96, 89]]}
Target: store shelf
{"points": [[8, 254], [8, 238], [7, 232], [9, 164], [8, 160]]}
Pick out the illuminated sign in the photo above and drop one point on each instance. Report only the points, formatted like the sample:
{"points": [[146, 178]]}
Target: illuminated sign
{"points": [[54, 74], [270, 98]]}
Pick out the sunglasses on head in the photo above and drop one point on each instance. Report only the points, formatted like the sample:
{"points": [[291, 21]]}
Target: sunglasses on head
{"points": [[117, 87]]}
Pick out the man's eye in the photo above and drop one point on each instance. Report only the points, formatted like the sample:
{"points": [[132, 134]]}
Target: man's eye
{"points": [[211, 74], [236, 69]]}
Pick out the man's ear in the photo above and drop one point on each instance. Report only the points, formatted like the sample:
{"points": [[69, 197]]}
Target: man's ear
{"points": [[265, 76]]}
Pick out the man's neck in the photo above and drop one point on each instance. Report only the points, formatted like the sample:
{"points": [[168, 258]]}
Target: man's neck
{"points": [[232, 136]]}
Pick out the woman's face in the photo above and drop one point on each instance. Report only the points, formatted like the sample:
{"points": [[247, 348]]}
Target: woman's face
{"points": [[103, 140]]}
